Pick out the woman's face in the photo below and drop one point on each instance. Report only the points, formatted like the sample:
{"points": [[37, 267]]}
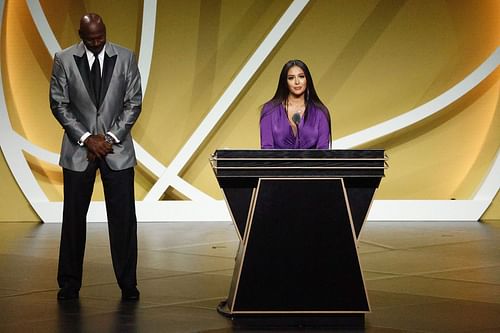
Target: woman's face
{"points": [[297, 82]]}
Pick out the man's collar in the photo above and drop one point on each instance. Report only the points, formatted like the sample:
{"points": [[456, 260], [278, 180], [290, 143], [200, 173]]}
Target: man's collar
{"points": [[89, 53], [82, 50]]}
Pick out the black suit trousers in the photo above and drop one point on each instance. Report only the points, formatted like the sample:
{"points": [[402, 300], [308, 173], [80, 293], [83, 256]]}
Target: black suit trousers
{"points": [[122, 223]]}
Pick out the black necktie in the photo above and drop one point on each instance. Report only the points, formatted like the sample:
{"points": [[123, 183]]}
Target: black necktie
{"points": [[95, 76]]}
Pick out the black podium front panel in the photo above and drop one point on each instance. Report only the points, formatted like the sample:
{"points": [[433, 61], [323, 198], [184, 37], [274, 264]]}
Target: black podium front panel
{"points": [[299, 260]]}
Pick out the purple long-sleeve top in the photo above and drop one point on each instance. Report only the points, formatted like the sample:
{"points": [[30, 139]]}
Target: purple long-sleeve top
{"points": [[276, 131]]}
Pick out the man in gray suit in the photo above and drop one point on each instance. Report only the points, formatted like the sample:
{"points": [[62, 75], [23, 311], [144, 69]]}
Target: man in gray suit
{"points": [[95, 94]]}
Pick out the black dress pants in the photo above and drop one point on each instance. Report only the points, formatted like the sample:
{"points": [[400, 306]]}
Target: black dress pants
{"points": [[122, 223]]}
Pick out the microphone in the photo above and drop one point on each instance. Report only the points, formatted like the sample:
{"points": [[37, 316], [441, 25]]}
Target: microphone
{"points": [[296, 121]]}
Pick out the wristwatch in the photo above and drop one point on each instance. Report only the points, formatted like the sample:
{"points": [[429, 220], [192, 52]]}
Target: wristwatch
{"points": [[109, 139]]}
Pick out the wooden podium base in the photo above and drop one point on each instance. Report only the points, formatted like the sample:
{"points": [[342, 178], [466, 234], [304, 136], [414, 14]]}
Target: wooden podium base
{"points": [[345, 320]]}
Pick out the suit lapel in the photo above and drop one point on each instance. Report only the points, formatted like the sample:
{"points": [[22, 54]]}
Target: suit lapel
{"points": [[83, 67], [107, 73]]}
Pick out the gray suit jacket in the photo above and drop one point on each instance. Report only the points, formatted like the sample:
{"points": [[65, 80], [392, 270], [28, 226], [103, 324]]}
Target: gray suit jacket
{"points": [[73, 104]]}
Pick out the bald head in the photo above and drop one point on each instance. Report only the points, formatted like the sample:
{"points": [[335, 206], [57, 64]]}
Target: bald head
{"points": [[92, 32]]}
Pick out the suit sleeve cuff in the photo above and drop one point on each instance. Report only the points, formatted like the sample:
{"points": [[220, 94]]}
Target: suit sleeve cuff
{"points": [[84, 137], [114, 137]]}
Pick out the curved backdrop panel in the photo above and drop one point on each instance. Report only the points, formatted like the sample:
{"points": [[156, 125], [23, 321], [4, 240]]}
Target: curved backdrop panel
{"points": [[417, 78]]}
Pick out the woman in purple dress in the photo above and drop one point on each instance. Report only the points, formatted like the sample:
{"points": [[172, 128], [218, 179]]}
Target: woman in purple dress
{"points": [[295, 118]]}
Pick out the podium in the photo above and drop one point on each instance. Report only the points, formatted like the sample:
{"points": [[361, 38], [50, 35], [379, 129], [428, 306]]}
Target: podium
{"points": [[298, 214]]}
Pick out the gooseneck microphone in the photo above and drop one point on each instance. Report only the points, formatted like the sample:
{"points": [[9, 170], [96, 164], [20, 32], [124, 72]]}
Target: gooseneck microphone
{"points": [[296, 120]]}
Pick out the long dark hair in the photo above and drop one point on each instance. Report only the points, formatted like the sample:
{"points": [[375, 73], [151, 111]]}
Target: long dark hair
{"points": [[310, 98]]}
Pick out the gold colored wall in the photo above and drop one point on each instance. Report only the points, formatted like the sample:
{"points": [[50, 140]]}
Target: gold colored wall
{"points": [[371, 61]]}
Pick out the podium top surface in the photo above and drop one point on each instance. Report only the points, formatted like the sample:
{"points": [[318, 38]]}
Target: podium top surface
{"points": [[269, 154], [298, 162]]}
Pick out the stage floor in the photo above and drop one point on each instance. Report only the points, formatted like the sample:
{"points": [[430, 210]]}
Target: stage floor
{"points": [[421, 277]]}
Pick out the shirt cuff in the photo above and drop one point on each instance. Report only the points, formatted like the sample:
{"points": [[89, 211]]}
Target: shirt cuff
{"points": [[114, 137], [84, 137]]}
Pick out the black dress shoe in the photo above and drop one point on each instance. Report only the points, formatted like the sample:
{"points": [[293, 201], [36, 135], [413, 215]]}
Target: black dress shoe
{"points": [[130, 294], [65, 294]]}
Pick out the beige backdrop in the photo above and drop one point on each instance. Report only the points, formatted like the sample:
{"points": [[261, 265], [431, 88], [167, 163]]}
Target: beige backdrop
{"points": [[370, 60]]}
